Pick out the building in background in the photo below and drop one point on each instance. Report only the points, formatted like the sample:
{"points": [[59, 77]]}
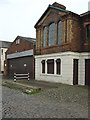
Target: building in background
{"points": [[20, 57], [63, 46], [3, 48]]}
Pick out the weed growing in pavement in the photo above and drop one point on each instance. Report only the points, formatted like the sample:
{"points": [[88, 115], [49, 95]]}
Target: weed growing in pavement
{"points": [[34, 92]]}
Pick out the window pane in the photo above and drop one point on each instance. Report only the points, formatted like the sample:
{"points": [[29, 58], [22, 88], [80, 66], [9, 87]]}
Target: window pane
{"points": [[44, 36], [52, 34], [50, 66], [59, 32], [88, 33], [2, 51]]}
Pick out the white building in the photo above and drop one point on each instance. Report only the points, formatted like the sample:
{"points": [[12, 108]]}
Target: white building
{"points": [[3, 48], [63, 46]]}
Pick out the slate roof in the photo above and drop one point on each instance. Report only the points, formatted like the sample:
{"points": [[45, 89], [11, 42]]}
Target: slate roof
{"points": [[5, 44], [27, 39], [85, 14]]}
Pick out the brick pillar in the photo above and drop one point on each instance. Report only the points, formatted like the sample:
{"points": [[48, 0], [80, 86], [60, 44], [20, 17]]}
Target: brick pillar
{"points": [[36, 39], [56, 33], [63, 31], [68, 30], [39, 43], [47, 36], [41, 37]]}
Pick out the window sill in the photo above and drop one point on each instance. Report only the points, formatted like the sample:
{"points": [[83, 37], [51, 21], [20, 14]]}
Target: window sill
{"points": [[54, 75]]}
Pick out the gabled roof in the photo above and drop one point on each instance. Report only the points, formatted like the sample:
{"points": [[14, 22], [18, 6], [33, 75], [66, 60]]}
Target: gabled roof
{"points": [[5, 44], [27, 39], [51, 6], [85, 14]]}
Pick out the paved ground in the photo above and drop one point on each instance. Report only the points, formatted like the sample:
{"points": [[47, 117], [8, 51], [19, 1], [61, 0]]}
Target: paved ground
{"points": [[0, 97], [64, 101]]}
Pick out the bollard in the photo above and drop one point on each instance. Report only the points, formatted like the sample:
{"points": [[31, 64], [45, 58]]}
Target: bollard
{"points": [[28, 76], [14, 77]]}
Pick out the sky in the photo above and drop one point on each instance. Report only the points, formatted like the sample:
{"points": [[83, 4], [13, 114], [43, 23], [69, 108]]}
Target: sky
{"points": [[18, 17]]}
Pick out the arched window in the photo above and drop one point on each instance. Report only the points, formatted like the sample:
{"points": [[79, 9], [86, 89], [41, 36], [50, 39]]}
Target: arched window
{"points": [[51, 34], [50, 66], [59, 32], [58, 66], [44, 36], [43, 66], [88, 33]]}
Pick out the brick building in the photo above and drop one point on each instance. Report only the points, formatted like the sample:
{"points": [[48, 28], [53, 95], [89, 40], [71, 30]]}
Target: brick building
{"points": [[63, 46], [20, 57], [3, 48]]}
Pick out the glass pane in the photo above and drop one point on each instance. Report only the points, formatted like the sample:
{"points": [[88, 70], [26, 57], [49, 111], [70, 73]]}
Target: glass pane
{"points": [[52, 34], [50, 66], [59, 32], [88, 33]]}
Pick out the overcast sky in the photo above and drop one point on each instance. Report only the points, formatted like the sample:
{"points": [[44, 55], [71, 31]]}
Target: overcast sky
{"points": [[18, 17]]}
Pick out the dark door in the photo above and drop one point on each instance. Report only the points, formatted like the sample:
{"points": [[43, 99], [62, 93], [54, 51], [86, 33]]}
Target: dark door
{"points": [[75, 71], [22, 65], [87, 70]]}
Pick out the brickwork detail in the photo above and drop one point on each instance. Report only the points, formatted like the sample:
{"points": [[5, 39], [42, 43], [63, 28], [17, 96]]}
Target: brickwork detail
{"points": [[73, 31]]}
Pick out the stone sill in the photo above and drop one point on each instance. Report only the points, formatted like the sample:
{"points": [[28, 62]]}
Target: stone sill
{"points": [[53, 75]]}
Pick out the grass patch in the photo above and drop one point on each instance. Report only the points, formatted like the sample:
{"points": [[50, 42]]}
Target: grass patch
{"points": [[26, 90], [34, 92], [9, 87]]}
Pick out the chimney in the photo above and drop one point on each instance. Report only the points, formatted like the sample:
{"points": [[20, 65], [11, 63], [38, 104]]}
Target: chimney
{"points": [[55, 4]]}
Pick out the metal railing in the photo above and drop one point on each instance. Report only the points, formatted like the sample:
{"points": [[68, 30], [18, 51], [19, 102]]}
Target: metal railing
{"points": [[21, 76]]}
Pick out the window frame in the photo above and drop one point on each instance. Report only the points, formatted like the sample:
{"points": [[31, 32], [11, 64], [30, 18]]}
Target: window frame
{"points": [[50, 66], [87, 33], [58, 66], [43, 66], [17, 41]]}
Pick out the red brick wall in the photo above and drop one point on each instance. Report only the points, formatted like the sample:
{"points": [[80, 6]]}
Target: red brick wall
{"points": [[76, 32], [23, 46], [85, 22], [76, 35]]}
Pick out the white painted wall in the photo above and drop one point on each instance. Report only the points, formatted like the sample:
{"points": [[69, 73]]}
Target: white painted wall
{"points": [[3, 58], [66, 67]]}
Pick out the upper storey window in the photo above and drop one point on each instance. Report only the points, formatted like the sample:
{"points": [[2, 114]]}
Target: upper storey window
{"points": [[17, 41], [44, 36], [51, 34], [59, 32], [88, 33]]}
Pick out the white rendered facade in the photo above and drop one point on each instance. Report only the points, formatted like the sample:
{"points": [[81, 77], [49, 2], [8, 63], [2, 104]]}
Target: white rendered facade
{"points": [[3, 50], [66, 75]]}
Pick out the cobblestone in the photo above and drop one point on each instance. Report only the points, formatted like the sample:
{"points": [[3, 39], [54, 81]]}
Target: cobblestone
{"points": [[63, 102]]}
